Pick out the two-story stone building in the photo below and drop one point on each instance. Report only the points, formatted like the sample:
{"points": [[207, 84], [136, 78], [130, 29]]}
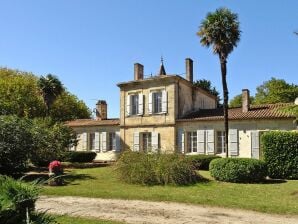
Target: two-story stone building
{"points": [[168, 113]]}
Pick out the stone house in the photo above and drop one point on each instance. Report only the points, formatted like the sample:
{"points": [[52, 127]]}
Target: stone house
{"points": [[168, 113]]}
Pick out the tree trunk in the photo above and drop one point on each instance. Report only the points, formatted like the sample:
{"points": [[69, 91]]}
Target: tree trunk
{"points": [[223, 66]]}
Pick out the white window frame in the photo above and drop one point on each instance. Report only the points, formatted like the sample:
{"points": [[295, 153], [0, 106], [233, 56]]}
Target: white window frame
{"points": [[157, 102], [192, 142], [112, 141], [134, 104], [146, 141], [91, 145], [220, 142]]}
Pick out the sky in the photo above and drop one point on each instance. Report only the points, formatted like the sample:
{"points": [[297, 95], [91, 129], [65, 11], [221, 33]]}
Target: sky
{"points": [[91, 45]]}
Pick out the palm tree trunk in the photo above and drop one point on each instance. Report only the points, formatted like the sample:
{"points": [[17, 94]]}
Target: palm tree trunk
{"points": [[223, 66]]}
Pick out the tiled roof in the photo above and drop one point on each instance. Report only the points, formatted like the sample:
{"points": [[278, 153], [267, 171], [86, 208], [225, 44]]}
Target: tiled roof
{"points": [[269, 111], [93, 122]]}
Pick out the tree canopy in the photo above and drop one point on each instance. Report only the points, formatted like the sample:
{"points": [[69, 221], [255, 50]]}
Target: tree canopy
{"points": [[237, 101]]}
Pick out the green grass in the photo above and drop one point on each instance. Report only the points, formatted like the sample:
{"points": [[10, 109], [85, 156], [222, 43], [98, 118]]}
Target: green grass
{"points": [[77, 220], [274, 197]]}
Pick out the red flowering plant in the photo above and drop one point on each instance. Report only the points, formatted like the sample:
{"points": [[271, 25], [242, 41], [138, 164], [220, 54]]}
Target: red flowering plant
{"points": [[55, 172]]}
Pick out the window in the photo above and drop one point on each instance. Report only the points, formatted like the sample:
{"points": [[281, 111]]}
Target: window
{"points": [[146, 141], [134, 104], [92, 141], [192, 141], [157, 102], [112, 141], [220, 146]]}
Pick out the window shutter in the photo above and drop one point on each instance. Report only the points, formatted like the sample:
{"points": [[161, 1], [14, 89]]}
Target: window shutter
{"points": [[128, 107], [164, 97], [255, 145], [141, 104], [136, 141], [210, 141], [97, 136], [233, 142], [150, 103], [103, 141], [118, 145], [180, 140], [84, 141], [154, 141], [201, 141]]}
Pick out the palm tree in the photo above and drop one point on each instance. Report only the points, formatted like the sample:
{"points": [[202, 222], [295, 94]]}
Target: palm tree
{"points": [[51, 88], [221, 30]]}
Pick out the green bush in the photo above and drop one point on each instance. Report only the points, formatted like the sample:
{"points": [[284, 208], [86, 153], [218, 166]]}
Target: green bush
{"points": [[280, 149], [201, 162], [156, 169], [15, 144], [79, 156], [16, 199], [238, 170]]}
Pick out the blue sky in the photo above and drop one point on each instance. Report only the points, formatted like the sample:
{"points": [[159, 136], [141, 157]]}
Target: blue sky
{"points": [[92, 45]]}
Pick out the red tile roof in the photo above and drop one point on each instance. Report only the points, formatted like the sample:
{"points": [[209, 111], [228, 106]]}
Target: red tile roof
{"points": [[269, 111], [93, 122]]}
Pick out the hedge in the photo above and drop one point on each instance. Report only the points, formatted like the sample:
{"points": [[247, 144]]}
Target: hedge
{"points": [[280, 149], [238, 170], [79, 156], [156, 169], [201, 162]]}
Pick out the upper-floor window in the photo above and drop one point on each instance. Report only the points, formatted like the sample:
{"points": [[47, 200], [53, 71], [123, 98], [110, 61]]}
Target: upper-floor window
{"points": [[134, 99], [134, 104], [158, 102]]}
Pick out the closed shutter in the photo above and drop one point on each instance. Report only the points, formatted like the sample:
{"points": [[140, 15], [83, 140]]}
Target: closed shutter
{"points": [[118, 144], [201, 141], [128, 107], [97, 146], [255, 145], [180, 140], [136, 141], [164, 105], [141, 104], [84, 141], [233, 142], [154, 141], [210, 141], [150, 103], [103, 141]]}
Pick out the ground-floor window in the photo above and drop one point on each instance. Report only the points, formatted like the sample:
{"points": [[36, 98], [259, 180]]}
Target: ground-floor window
{"points": [[146, 141], [112, 141], [220, 143], [192, 141], [92, 141]]}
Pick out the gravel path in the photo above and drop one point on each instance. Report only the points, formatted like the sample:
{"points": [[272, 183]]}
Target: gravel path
{"points": [[135, 211]]}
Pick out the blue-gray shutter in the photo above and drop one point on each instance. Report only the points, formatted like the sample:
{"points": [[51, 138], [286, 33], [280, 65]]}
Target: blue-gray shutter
{"points": [[97, 141], [255, 145], [201, 141], [136, 141], [141, 104], [180, 140], [104, 141], [210, 141], [128, 107], [233, 142], [150, 107], [164, 101], [154, 141], [84, 141]]}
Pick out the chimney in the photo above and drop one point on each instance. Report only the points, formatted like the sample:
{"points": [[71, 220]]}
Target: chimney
{"points": [[101, 110], [138, 71], [189, 69], [245, 100]]}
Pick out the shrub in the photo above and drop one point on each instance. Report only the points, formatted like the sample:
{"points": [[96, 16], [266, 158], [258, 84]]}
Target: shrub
{"points": [[15, 144], [280, 149], [238, 170], [155, 169], [79, 156], [201, 162], [16, 198]]}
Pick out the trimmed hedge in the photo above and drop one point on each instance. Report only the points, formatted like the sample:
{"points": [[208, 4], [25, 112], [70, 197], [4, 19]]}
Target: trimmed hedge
{"points": [[280, 149], [238, 170], [79, 156], [156, 169], [201, 162]]}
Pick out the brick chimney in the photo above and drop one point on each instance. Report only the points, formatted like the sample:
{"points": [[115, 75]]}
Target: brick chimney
{"points": [[101, 110], [138, 71], [189, 69], [245, 100]]}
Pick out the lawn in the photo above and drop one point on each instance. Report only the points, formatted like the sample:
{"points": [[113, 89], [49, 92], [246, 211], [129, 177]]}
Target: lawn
{"points": [[77, 220], [272, 197]]}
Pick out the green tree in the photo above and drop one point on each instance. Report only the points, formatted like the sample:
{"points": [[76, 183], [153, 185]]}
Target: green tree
{"points": [[220, 30], [51, 88], [276, 91], [68, 107], [237, 101], [206, 85], [15, 144]]}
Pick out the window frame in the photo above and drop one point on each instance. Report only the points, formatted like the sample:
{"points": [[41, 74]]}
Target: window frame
{"points": [[192, 142], [220, 142], [112, 141], [146, 138], [134, 104], [157, 102]]}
